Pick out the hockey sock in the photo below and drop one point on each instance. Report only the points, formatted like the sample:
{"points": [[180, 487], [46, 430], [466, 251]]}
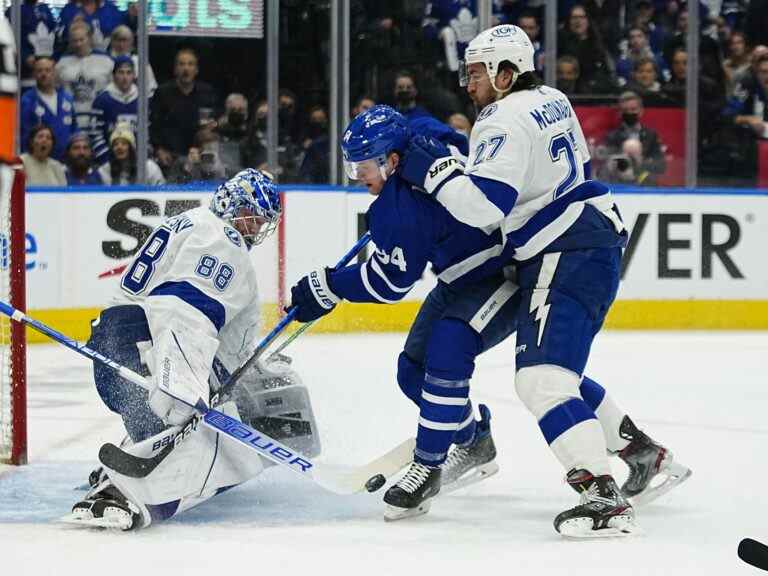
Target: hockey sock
{"points": [[608, 413], [444, 407]]}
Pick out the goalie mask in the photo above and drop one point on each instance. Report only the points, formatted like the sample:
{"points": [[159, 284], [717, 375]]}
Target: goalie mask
{"points": [[370, 138], [494, 46], [249, 201]]}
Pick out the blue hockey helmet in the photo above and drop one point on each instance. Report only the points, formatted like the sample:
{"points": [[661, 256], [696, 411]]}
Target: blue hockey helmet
{"points": [[248, 198], [370, 137]]}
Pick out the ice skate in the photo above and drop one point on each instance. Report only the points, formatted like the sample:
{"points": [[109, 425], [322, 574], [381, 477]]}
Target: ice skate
{"points": [[474, 462], [413, 493], [647, 461], [602, 513], [107, 508]]}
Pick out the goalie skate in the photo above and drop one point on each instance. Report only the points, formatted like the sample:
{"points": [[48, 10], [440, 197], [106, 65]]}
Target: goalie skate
{"points": [[107, 508], [652, 469], [473, 463], [602, 513]]}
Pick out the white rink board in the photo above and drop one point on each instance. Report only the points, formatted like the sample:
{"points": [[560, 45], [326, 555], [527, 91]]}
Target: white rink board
{"points": [[679, 254]]}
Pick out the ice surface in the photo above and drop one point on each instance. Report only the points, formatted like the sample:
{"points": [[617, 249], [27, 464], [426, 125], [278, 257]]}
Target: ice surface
{"points": [[703, 394]]}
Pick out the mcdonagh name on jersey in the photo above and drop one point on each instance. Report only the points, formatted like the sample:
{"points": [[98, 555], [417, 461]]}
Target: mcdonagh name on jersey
{"points": [[551, 112]]}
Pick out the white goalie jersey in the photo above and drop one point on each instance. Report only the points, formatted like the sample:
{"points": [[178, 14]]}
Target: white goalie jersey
{"points": [[196, 282]]}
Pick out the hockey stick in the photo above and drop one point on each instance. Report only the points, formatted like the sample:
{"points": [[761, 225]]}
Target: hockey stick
{"points": [[340, 482], [754, 553]]}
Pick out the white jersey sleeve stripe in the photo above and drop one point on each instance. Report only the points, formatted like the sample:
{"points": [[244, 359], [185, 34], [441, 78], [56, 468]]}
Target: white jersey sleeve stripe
{"points": [[377, 268], [370, 289], [467, 203]]}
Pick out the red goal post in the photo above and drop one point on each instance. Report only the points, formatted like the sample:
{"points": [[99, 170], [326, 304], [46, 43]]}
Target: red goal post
{"points": [[13, 368]]}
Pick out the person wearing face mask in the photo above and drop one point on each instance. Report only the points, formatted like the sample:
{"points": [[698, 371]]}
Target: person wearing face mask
{"points": [[232, 129], [314, 166], [405, 97], [647, 159], [40, 168]]}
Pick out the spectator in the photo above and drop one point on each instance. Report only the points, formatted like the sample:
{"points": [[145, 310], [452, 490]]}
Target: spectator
{"points": [[405, 96], [530, 25], [643, 18], [233, 129], [253, 150], [637, 49], [460, 123], [737, 64], [37, 37], [202, 163], [607, 18], [79, 162], [46, 104], [40, 168], [674, 90], [568, 76], [361, 105], [314, 167], [288, 128], [179, 108], [121, 44], [118, 102], [707, 46], [453, 24], [83, 72], [644, 79], [638, 153], [748, 107], [121, 169], [581, 40], [102, 16], [756, 22]]}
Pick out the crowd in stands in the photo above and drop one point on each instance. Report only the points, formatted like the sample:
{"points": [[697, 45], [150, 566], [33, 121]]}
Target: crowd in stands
{"points": [[80, 73]]}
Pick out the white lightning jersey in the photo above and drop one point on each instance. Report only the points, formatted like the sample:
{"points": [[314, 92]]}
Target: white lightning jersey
{"points": [[196, 282], [528, 157]]}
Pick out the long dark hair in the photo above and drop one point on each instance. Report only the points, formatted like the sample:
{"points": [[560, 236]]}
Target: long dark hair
{"points": [[116, 166], [525, 81]]}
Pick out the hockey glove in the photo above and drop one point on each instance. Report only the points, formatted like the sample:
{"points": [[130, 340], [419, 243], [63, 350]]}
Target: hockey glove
{"points": [[312, 296], [428, 164]]}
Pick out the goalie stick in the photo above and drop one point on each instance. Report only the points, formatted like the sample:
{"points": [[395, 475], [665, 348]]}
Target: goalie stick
{"points": [[354, 480]]}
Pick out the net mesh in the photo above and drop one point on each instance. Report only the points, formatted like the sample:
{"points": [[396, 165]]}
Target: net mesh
{"points": [[6, 367]]}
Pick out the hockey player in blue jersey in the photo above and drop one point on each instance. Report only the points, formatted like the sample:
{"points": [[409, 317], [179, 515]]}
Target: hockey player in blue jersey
{"points": [[452, 327], [527, 179]]}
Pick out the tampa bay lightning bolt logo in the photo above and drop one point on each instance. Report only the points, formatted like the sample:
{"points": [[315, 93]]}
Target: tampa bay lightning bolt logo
{"points": [[504, 31], [233, 236], [487, 111]]}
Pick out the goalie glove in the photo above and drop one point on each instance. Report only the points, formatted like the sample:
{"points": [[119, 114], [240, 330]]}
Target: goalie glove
{"points": [[428, 164], [312, 296]]}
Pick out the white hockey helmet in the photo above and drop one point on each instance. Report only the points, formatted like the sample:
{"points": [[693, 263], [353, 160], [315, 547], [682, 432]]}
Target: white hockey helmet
{"points": [[494, 46]]}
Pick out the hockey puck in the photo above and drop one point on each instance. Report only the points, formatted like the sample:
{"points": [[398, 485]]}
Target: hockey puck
{"points": [[375, 482]]}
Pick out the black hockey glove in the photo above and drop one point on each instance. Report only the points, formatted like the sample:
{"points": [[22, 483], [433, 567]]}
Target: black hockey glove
{"points": [[312, 296]]}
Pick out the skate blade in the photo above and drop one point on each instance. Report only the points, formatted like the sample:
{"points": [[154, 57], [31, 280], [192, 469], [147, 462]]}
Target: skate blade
{"points": [[109, 523], [393, 513], [675, 474], [475, 475], [581, 528]]}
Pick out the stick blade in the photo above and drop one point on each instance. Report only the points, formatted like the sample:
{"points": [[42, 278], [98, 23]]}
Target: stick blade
{"points": [[122, 462]]}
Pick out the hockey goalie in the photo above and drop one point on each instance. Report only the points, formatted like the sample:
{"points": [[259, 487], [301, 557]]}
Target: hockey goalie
{"points": [[186, 315]]}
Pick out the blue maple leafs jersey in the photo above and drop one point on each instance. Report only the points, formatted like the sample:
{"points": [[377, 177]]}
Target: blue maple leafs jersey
{"points": [[411, 230]]}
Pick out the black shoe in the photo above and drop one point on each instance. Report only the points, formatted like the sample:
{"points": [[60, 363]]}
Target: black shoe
{"points": [[647, 460], [106, 509], [473, 462], [603, 511], [412, 494]]}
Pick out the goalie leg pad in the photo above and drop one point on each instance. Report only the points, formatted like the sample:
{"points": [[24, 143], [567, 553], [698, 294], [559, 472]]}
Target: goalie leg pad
{"points": [[118, 333], [201, 465]]}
